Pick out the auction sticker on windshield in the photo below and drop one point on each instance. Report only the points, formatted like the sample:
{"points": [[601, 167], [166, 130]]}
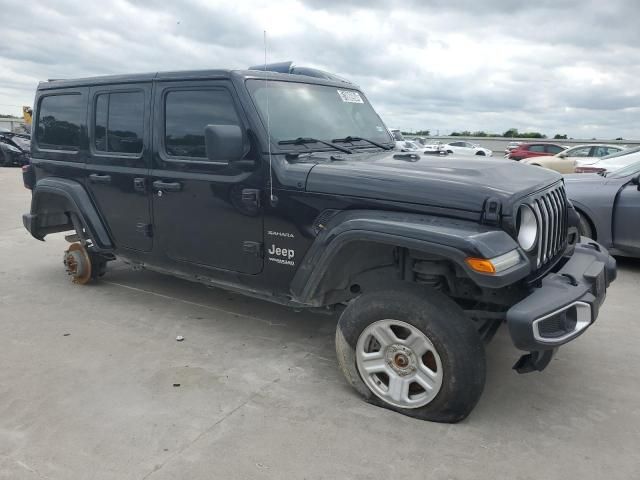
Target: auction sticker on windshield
{"points": [[350, 96]]}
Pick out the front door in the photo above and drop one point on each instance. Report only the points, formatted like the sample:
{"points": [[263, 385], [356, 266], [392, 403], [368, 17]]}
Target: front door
{"points": [[205, 213], [119, 159], [626, 235]]}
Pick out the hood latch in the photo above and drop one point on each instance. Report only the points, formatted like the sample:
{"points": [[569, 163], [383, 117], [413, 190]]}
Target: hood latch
{"points": [[492, 211]]}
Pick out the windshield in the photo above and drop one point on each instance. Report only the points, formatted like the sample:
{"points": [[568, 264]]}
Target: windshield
{"points": [[302, 110]]}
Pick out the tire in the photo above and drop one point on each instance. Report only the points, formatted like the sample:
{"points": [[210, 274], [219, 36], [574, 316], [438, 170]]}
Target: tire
{"points": [[482, 154], [585, 228], [455, 354], [449, 152]]}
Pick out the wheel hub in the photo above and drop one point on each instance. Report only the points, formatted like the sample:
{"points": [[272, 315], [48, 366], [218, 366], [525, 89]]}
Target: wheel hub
{"points": [[77, 263], [401, 359]]}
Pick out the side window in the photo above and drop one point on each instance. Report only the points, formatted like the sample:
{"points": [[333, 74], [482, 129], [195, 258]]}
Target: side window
{"points": [[536, 148], [119, 122], [59, 121], [579, 152], [188, 112], [554, 149]]}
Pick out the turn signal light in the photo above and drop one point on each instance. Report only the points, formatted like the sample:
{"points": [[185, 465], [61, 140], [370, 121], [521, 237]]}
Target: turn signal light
{"points": [[494, 265], [481, 265]]}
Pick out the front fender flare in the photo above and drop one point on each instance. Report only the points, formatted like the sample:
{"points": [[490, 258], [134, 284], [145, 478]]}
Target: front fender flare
{"points": [[446, 237]]}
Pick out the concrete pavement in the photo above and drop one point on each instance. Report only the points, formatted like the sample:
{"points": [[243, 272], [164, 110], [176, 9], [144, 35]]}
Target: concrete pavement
{"points": [[88, 372]]}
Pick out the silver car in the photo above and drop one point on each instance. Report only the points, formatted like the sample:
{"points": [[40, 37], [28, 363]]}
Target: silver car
{"points": [[609, 207]]}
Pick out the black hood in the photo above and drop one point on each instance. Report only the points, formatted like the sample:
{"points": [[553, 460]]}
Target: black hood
{"points": [[448, 182]]}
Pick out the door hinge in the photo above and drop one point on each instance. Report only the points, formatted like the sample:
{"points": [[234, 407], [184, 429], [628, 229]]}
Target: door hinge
{"points": [[252, 248], [145, 228]]}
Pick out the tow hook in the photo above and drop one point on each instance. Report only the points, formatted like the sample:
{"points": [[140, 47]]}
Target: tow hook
{"points": [[534, 361]]}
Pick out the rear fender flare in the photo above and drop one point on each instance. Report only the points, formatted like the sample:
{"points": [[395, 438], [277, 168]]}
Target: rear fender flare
{"points": [[69, 197]]}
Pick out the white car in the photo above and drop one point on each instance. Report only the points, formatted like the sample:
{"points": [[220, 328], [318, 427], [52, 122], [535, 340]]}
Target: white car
{"points": [[466, 148], [408, 146], [566, 161], [611, 163], [603, 151]]}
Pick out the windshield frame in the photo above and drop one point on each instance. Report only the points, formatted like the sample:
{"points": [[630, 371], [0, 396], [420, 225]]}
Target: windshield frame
{"points": [[306, 148]]}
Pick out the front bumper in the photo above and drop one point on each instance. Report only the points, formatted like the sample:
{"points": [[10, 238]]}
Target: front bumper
{"points": [[563, 307]]}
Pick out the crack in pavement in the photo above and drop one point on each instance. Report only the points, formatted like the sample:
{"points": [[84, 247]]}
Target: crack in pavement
{"points": [[160, 466]]}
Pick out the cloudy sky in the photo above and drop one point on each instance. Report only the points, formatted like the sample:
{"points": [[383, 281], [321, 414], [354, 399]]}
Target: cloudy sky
{"points": [[556, 66]]}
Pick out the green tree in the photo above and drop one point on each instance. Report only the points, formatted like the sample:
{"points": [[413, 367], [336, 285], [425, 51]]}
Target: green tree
{"points": [[511, 133], [557, 136]]}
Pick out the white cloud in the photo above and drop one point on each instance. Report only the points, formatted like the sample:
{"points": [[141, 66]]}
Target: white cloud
{"points": [[563, 66]]}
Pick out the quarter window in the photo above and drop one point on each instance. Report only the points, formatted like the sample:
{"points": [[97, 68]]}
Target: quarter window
{"points": [[59, 121], [188, 112], [119, 122]]}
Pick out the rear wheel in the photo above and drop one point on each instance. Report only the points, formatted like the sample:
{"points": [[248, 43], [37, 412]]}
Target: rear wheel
{"points": [[412, 351]]}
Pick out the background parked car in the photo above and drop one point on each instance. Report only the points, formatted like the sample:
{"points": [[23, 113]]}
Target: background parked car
{"points": [[566, 161], [466, 148], [537, 149], [511, 146], [14, 148], [609, 208], [611, 163]]}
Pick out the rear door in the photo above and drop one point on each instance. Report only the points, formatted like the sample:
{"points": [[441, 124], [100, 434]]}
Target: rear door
{"points": [[119, 158], [205, 213]]}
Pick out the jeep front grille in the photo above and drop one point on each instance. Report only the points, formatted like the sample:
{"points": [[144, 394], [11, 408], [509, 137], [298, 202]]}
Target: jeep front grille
{"points": [[550, 209]]}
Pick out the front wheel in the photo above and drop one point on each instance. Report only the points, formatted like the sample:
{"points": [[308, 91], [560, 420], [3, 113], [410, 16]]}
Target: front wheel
{"points": [[481, 153], [413, 351], [584, 227]]}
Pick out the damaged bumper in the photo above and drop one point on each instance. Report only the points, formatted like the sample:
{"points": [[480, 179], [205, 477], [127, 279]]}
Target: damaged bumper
{"points": [[563, 307]]}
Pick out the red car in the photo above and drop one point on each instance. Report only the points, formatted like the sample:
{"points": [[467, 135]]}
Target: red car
{"points": [[528, 150]]}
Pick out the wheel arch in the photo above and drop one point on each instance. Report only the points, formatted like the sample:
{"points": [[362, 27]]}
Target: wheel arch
{"points": [[358, 243]]}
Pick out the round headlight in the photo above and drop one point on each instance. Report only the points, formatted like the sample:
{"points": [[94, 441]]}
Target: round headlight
{"points": [[527, 228]]}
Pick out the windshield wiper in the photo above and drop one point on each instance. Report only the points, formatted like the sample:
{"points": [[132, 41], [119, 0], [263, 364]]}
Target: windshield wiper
{"points": [[303, 140], [350, 139]]}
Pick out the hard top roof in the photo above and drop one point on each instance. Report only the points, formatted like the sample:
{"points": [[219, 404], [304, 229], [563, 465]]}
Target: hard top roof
{"points": [[189, 75]]}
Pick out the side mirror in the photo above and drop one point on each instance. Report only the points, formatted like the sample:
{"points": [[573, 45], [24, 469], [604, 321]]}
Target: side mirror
{"points": [[562, 155], [224, 143], [636, 181]]}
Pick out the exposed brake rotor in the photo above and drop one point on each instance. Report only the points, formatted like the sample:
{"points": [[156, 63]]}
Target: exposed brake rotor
{"points": [[77, 263]]}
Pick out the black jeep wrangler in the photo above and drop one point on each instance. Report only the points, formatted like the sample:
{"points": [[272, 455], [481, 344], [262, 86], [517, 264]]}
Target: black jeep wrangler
{"points": [[285, 187]]}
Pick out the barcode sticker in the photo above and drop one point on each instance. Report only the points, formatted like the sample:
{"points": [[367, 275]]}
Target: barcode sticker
{"points": [[350, 96]]}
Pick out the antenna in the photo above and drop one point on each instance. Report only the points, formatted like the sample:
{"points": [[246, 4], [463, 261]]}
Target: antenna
{"points": [[266, 90]]}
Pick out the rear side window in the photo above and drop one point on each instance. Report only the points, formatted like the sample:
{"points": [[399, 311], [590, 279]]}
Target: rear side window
{"points": [[188, 112], [554, 149], [59, 121], [119, 122], [536, 148]]}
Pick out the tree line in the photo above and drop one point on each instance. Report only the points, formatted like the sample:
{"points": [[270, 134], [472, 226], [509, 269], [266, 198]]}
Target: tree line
{"points": [[511, 133]]}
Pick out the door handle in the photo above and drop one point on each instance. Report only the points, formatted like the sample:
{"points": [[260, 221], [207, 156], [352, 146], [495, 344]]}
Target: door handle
{"points": [[167, 186], [97, 178]]}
